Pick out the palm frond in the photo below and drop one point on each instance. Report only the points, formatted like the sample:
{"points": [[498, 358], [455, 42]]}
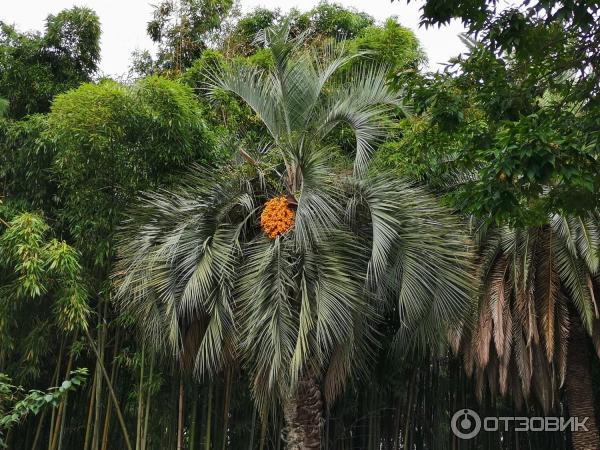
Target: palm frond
{"points": [[588, 241], [572, 272], [547, 291], [176, 267], [254, 86], [267, 293], [363, 103], [419, 254]]}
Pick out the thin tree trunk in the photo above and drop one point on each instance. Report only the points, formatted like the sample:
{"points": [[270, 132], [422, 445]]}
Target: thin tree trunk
{"points": [[62, 409], [31, 425], [207, 436], [99, 365], [63, 419], [62, 412], [88, 426], [304, 416], [409, 415], [180, 415], [226, 401], [54, 383], [138, 430], [111, 392], [253, 429], [113, 376], [148, 397], [38, 431], [580, 398], [97, 405], [264, 430], [194, 419]]}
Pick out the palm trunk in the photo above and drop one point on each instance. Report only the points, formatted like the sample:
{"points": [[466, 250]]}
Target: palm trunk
{"points": [[304, 416], [580, 397]]}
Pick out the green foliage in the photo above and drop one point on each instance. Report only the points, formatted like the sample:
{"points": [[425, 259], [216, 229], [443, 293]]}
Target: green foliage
{"points": [[393, 45], [232, 121], [114, 140], [183, 29], [73, 37], [507, 144], [325, 21], [37, 67], [241, 39], [3, 106], [529, 78], [42, 291], [335, 21], [16, 405], [23, 246], [33, 265], [25, 161]]}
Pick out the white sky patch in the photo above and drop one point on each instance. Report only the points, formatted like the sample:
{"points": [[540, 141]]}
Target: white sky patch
{"points": [[124, 24]]}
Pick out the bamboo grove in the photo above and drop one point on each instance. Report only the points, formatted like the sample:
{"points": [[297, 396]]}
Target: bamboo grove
{"points": [[281, 231]]}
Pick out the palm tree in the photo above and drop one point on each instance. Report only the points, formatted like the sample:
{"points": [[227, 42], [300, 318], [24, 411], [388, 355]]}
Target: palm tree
{"points": [[283, 262], [537, 305]]}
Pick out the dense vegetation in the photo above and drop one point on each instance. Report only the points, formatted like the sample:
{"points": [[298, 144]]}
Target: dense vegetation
{"points": [[283, 232]]}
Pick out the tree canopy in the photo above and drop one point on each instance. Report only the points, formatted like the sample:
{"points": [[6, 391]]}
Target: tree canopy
{"points": [[35, 67]]}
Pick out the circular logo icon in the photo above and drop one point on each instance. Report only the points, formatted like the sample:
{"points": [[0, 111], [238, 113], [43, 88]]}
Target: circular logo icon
{"points": [[465, 424]]}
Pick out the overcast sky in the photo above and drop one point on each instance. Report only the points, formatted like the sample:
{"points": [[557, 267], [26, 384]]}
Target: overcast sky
{"points": [[124, 23]]}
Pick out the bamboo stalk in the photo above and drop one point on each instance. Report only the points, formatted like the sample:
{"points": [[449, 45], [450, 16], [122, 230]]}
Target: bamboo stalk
{"points": [[407, 427], [180, 415], [60, 420], [226, 402], [194, 419], [263, 433], [111, 392], [148, 398], [252, 431], [207, 436], [138, 431], [54, 383], [113, 375], [38, 431], [99, 363], [97, 406], [88, 425]]}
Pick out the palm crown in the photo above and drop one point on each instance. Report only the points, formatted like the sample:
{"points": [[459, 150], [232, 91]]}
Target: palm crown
{"points": [[298, 297], [538, 291]]}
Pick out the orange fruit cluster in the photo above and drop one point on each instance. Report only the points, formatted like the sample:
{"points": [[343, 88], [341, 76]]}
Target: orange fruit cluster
{"points": [[277, 217]]}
